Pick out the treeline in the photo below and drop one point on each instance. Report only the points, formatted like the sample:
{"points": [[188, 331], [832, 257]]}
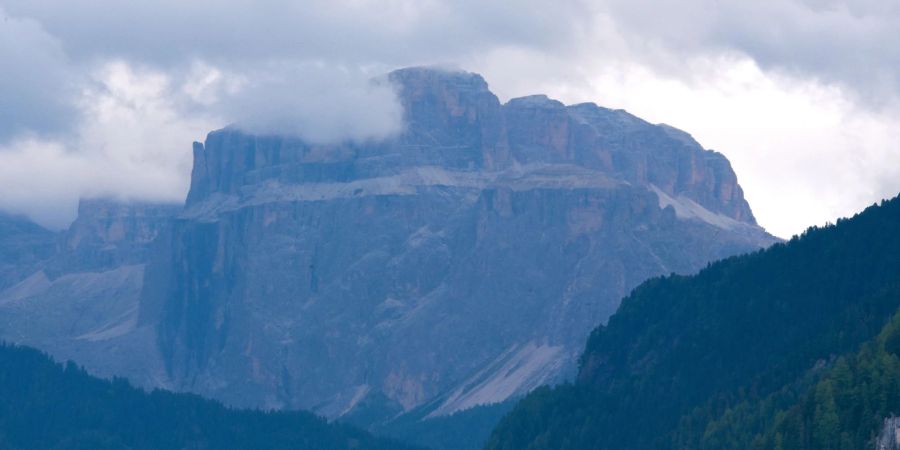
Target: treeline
{"points": [[737, 355], [46, 405]]}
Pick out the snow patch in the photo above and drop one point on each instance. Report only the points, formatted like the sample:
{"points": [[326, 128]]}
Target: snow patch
{"points": [[685, 208]]}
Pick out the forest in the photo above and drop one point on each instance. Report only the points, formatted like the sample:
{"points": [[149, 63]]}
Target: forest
{"points": [[47, 405]]}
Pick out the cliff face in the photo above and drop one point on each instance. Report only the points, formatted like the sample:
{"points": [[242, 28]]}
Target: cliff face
{"points": [[889, 436], [459, 263], [80, 300]]}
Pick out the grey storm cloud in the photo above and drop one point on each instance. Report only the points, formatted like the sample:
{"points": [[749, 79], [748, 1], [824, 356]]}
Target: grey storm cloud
{"points": [[392, 32], [270, 45], [849, 42], [37, 87]]}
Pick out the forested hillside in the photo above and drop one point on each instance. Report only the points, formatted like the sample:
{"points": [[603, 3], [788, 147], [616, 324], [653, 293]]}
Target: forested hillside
{"points": [[45, 405], [685, 355], [843, 411]]}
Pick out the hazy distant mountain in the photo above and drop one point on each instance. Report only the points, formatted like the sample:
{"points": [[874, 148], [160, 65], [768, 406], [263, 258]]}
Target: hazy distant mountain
{"points": [[80, 300], [23, 246], [460, 263], [754, 352]]}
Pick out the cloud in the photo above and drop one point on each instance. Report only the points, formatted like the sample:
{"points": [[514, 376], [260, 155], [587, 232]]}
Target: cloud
{"points": [[37, 89], [802, 95], [319, 104], [847, 42], [133, 143], [392, 32]]}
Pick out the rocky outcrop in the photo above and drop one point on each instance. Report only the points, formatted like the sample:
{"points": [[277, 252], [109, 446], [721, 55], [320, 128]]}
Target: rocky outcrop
{"points": [[459, 263], [889, 436]]}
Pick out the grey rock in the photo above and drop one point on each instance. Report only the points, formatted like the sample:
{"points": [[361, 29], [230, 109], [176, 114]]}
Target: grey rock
{"points": [[889, 436], [462, 262]]}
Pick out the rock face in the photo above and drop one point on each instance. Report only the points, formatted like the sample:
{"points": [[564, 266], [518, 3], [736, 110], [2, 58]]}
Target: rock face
{"points": [[80, 300], [460, 263], [889, 436]]}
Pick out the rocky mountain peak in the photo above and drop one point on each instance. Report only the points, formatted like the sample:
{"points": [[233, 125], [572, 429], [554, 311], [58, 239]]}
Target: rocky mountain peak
{"points": [[459, 263], [422, 80], [535, 101], [455, 123]]}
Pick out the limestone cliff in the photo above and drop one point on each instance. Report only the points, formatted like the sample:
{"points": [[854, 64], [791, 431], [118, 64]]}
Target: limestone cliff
{"points": [[461, 262]]}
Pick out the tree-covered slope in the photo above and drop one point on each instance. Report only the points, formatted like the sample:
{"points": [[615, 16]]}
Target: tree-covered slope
{"points": [[44, 405], [845, 409], [681, 351]]}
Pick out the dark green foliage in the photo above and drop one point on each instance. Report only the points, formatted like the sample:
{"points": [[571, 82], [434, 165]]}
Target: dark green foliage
{"points": [[44, 405], [844, 411], [742, 339]]}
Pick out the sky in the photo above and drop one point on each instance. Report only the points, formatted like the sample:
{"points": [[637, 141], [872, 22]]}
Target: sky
{"points": [[103, 98]]}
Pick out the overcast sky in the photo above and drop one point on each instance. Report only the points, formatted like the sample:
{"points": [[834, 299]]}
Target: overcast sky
{"points": [[103, 98]]}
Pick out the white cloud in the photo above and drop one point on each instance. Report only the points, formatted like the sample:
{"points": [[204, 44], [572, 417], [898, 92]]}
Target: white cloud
{"points": [[803, 151], [319, 104], [132, 143]]}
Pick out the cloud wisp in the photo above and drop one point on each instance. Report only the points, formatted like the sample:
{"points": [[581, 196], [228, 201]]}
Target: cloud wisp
{"points": [[320, 105]]}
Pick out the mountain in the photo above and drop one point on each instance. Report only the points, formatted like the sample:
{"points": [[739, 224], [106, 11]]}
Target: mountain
{"points": [[462, 262], [50, 406], [80, 300], [719, 359], [23, 245]]}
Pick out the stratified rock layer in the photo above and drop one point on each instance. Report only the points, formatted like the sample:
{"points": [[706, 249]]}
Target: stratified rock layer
{"points": [[460, 263]]}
